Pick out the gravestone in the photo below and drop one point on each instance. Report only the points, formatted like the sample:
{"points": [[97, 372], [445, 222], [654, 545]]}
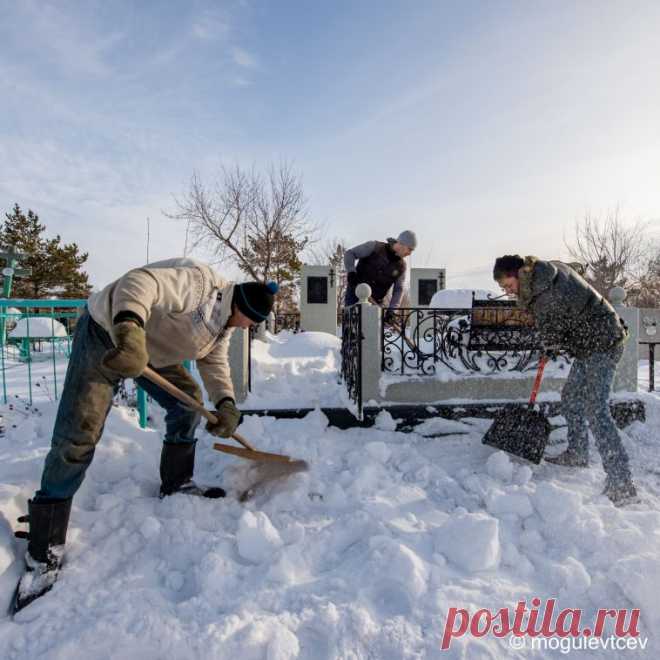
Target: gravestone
{"points": [[649, 331], [424, 283], [318, 299]]}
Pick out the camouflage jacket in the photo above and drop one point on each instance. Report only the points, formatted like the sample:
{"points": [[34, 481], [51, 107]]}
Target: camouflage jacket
{"points": [[569, 313]]}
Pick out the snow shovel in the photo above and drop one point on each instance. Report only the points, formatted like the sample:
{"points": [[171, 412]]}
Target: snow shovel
{"points": [[248, 451], [522, 432]]}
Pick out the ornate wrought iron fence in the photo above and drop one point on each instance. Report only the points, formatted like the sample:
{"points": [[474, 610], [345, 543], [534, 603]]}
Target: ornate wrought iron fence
{"points": [[425, 341], [351, 353]]}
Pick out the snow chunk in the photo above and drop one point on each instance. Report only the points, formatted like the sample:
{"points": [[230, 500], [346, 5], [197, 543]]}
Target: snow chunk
{"points": [[150, 527], [284, 645], [471, 541], [399, 563], [523, 475], [499, 466], [576, 578], [379, 451], [384, 421], [555, 503], [510, 502], [257, 539], [638, 577]]}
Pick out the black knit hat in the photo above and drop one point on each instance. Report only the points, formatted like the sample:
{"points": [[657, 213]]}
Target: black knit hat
{"points": [[507, 266], [255, 299]]}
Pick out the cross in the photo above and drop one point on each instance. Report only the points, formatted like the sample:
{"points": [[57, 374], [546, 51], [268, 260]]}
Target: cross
{"points": [[10, 270]]}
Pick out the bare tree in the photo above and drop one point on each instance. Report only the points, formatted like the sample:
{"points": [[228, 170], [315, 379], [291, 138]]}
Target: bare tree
{"points": [[646, 291], [613, 253], [245, 208]]}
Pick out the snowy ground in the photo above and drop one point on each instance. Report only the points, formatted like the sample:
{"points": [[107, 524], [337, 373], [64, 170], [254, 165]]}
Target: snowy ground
{"points": [[362, 557]]}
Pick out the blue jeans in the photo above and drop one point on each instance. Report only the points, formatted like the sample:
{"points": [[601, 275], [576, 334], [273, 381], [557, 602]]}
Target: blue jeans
{"points": [[585, 398], [86, 400]]}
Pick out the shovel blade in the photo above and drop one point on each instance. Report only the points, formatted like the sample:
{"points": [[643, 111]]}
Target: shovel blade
{"points": [[252, 455], [521, 432]]}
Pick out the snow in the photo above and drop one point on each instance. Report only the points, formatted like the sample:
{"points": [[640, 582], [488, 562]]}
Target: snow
{"points": [[257, 539], [478, 532], [361, 557], [459, 298], [296, 370], [38, 327]]}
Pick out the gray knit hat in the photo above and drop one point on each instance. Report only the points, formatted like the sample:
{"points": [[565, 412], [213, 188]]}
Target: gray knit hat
{"points": [[408, 238]]}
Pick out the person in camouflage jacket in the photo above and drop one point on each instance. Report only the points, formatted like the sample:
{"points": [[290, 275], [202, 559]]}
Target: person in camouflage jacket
{"points": [[572, 317]]}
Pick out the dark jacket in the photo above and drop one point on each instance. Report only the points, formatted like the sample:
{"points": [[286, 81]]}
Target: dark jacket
{"points": [[379, 267], [569, 313]]}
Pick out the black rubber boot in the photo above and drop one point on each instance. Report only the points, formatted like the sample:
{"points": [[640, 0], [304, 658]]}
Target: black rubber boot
{"points": [[48, 523], [177, 463], [620, 491]]}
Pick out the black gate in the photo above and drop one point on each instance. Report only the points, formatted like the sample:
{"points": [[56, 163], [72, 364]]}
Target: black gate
{"points": [[351, 354]]}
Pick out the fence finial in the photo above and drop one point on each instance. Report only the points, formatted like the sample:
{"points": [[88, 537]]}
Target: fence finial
{"points": [[617, 295], [363, 292]]}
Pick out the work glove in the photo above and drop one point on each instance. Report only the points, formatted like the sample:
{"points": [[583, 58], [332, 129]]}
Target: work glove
{"points": [[129, 357], [228, 416], [389, 318], [352, 279]]}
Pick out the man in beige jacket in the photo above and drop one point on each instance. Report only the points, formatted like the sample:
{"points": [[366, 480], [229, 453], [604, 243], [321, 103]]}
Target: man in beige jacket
{"points": [[158, 315]]}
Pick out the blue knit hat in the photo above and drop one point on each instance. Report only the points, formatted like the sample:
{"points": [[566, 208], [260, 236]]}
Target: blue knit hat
{"points": [[255, 299]]}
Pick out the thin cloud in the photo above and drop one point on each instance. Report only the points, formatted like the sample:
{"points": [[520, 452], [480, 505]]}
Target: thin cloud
{"points": [[243, 58], [76, 47], [210, 26]]}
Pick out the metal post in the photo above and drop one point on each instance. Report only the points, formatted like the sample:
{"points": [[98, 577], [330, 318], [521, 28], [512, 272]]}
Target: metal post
{"points": [[6, 291], [142, 407], [52, 340], [651, 367]]}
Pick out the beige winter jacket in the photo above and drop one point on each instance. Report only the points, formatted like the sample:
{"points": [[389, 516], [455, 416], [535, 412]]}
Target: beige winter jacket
{"points": [[185, 306]]}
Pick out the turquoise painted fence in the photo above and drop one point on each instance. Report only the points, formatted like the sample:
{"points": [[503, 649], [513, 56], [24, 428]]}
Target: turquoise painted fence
{"points": [[35, 343]]}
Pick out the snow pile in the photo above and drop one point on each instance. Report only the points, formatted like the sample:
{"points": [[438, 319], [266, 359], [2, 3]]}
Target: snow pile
{"points": [[459, 298], [361, 557], [38, 327], [295, 370], [257, 539]]}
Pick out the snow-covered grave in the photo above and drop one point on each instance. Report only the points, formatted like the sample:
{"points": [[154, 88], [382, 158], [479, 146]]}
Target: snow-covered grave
{"points": [[432, 361], [361, 557]]}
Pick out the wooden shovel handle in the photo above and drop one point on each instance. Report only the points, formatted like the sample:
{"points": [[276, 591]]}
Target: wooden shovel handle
{"points": [[165, 384]]}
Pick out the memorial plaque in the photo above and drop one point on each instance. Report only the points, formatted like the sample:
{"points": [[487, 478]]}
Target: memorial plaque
{"points": [[426, 289], [317, 290]]}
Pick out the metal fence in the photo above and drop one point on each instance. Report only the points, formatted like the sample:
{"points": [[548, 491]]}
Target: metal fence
{"points": [[35, 343], [351, 354], [425, 341]]}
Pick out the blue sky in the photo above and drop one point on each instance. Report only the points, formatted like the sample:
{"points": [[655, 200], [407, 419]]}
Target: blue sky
{"points": [[488, 127]]}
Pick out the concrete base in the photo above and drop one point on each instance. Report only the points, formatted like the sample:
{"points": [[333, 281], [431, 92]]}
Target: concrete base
{"points": [[472, 389], [408, 416]]}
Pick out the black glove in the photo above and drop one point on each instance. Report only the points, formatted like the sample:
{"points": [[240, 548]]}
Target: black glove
{"points": [[229, 417], [551, 353], [352, 279], [389, 318]]}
